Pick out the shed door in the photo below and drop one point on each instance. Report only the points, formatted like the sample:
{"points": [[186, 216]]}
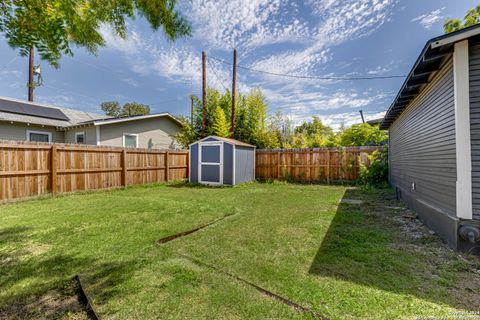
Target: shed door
{"points": [[211, 163]]}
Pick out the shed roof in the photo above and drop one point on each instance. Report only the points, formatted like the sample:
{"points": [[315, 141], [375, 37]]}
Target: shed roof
{"points": [[430, 60], [232, 141]]}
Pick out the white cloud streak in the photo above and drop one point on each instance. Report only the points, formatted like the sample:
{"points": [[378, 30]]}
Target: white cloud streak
{"points": [[429, 19]]}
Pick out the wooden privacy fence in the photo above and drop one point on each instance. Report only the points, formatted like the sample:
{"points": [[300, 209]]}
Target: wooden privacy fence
{"points": [[31, 169], [323, 164]]}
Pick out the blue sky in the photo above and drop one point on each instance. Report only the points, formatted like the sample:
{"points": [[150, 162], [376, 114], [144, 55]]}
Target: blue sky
{"points": [[313, 37]]}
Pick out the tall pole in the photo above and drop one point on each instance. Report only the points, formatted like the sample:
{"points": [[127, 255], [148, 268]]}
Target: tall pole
{"points": [[234, 89], [204, 90], [30, 75], [363, 119], [191, 110]]}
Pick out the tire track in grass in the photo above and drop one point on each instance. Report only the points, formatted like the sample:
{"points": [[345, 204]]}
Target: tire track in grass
{"points": [[264, 291], [186, 233], [85, 299]]}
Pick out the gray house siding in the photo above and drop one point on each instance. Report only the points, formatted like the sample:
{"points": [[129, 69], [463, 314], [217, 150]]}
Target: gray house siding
{"points": [[154, 133], [474, 71], [423, 153], [18, 131], [244, 164], [90, 135]]}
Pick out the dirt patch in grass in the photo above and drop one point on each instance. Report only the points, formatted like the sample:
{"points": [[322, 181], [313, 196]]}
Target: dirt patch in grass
{"points": [[60, 303], [264, 291], [186, 233]]}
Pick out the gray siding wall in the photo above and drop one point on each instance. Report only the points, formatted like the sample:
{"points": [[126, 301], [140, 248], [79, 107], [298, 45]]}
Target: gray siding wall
{"points": [[422, 146], [227, 163], [90, 135], [244, 164], [475, 125], [154, 133], [18, 131], [194, 163]]}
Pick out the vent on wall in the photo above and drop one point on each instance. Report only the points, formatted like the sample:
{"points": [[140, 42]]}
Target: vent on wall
{"points": [[32, 110]]}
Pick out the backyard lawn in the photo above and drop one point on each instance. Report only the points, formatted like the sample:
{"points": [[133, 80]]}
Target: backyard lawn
{"points": [[309, 244]]}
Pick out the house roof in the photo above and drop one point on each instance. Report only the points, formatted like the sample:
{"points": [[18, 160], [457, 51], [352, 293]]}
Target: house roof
{"points": [[100, 122], [430, 61], [232, 141], [14, 110]]}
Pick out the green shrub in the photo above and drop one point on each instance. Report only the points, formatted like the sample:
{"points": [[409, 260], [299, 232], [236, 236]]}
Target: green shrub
{"points": [[376, 172]]}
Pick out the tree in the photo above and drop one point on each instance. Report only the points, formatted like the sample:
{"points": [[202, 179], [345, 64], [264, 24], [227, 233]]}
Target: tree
{"points": [[54, 26], [134, 109], [252, 122], [188, 134], [471, 18], [220, 125], [113, 109], [362, 134], [313, 134]]}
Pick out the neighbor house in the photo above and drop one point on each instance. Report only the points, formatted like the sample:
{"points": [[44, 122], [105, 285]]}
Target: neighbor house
{"points": [[27, 121], [434, 128]]}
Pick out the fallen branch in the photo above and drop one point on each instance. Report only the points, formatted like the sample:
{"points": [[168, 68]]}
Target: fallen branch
{"points": [[264, 291]]}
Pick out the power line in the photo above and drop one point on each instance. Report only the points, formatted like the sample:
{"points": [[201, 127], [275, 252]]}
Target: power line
{"points": [[312, 77], [9, 63], [216, 75]]}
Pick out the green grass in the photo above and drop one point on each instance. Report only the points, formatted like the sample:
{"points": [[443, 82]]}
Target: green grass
{"points": [[344, 261]]}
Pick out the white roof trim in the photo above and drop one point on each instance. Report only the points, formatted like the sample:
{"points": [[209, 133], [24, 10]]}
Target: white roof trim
{"points": [[133, 118], [456, 38]]}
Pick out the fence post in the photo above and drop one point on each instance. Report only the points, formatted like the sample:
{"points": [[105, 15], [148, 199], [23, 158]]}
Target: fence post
{"points": [[188, 165], [278, 165], [167, 167], [53, 169], [328, 166], [124, 168]]}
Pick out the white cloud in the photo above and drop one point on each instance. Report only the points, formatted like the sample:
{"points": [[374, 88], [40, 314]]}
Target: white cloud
{"points": [[340, 21], [378, 70], [349, 118], [252, 26], [129, 46], [429, 19]]}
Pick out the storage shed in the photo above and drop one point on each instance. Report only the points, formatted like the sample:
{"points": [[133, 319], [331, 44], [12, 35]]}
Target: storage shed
{"points": [[434, 144], [221, 161]]}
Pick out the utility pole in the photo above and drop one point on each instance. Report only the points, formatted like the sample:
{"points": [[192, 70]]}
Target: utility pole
{"points": [[31, 84], [191, 110], [361, 114], [204, 91], [234, 89]]}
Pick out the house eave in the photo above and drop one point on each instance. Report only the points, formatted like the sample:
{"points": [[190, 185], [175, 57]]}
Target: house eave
{"points": [[135, 118], [431, 59]]}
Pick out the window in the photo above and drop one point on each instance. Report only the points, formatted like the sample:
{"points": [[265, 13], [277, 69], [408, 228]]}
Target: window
{"points": [[130, 140], [39, 136], [80, 137]]}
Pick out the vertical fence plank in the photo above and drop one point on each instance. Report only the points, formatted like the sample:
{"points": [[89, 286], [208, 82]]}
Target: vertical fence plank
{"points": [[188, 165], [278, 165], [124, 164], [328, 166], [167, 166], [53, 169]]}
